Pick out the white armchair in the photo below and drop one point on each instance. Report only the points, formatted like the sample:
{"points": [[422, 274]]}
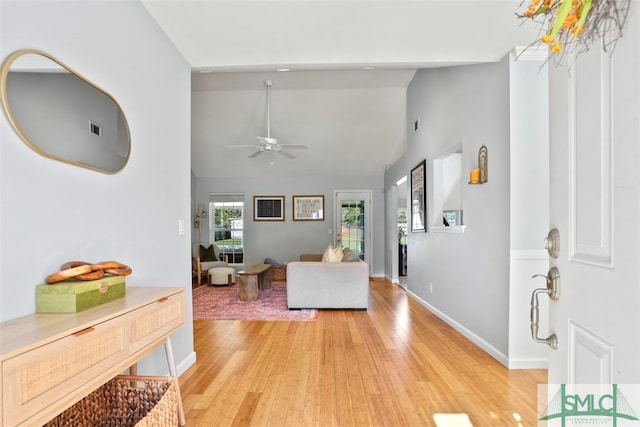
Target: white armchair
{"points": [[203, 257]]}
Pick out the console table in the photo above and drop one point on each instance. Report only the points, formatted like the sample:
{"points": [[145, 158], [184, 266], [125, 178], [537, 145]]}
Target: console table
{"points": [[50, 361]]}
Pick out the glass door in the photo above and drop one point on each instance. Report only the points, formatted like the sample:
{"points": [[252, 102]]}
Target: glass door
{"points": [[353, 219]]}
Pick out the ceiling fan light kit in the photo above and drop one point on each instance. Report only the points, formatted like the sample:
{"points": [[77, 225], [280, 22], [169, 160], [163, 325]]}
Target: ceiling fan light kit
{"points": [[267, 143]]}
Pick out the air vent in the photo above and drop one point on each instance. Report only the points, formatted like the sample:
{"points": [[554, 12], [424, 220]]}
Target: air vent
{"points": [[95, 128]]}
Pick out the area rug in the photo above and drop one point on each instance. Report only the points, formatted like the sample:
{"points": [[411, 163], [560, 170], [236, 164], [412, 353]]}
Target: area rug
{"points": [[223, 303]]}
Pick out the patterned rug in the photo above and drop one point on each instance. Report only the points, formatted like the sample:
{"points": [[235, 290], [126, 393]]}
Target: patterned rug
{"points": [[223, 303]]}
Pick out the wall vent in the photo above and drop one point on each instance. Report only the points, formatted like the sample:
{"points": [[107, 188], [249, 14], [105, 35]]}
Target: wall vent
{"points": [[95, 128]]}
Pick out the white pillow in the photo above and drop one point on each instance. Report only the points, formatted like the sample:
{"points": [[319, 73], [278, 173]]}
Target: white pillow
{"points": [[332, 254]]}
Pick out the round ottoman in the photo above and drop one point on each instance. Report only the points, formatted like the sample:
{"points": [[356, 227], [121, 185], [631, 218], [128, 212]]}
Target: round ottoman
{"points": [[222, 276]]}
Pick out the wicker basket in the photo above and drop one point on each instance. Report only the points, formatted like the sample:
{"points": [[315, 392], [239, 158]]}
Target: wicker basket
{"points": [[279, 273], [125, 401]]}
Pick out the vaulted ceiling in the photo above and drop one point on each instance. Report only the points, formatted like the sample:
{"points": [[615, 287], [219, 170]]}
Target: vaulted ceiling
{"points": [[351, 117]]}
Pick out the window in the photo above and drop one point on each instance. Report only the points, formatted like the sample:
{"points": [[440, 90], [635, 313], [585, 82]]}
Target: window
{"points": [[227, 225]]}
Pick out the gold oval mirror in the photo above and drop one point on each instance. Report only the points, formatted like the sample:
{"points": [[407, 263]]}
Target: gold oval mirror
{"points": [[62, 115]]}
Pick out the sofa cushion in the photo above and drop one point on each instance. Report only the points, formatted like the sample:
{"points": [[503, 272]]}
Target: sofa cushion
{"points": [[349, 256], [311, 257]]}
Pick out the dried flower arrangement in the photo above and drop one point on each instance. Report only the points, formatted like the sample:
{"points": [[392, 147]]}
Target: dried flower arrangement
{"points": [[578, 23]]}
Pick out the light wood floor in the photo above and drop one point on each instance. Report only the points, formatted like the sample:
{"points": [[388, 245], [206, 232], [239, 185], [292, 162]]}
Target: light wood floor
{"points": [[395, 364]]}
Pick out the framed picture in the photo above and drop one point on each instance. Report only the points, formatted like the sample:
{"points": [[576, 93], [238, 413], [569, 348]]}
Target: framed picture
{"points": [[268, 208], [308, 208], [419, 197]]}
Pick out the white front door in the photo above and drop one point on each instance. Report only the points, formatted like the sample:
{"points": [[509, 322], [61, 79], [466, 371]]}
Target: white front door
{"points": [[595, 184], [353, 222]]}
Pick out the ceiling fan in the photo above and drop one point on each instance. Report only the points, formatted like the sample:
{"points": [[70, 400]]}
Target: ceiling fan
{"points": [[267, 143]]}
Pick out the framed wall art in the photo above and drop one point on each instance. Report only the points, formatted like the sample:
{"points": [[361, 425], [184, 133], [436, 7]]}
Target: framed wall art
{"points": [[308, 208], [419, 197], [268, 208]]}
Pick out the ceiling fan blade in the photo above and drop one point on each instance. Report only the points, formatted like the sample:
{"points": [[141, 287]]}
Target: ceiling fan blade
{"points": [[294, 146], [286, 154], [256, 154]]}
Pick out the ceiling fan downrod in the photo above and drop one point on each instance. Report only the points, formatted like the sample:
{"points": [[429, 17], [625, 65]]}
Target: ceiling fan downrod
{"points": [[268, 83]]}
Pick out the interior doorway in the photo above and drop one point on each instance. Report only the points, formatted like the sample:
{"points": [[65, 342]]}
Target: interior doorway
{"points": [[402, 227]]}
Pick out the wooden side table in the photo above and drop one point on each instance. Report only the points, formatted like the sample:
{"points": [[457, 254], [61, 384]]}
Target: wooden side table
{"points": [[253, 279]]}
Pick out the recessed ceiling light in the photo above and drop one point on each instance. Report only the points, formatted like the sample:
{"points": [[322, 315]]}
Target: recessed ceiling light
{"points": [[206, 71], [283, 69], [368, 67]]}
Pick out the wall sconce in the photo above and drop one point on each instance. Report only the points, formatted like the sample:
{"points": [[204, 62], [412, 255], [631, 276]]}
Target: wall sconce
{"points": [[202, 213], [481, 174]]}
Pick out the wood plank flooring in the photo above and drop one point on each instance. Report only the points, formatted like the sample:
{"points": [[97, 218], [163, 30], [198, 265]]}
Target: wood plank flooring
{"points": [[395, 364]]}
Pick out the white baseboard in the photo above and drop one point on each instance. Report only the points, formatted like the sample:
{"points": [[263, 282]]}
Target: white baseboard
{"points": [[389, 279], [186, 363], [493, 352]]}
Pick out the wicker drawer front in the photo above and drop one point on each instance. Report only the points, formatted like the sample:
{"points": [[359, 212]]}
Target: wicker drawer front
{"points": [[35, 379], [155, 320]]}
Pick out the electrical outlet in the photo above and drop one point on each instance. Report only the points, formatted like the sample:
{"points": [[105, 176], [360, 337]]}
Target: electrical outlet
{"points": [[430, 287]]}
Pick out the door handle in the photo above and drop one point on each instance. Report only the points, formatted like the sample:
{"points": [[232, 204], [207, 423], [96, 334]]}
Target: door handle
{"points": [[553, 291]]}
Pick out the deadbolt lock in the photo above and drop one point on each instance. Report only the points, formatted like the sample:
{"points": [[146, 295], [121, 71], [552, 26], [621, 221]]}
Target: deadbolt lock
{"points": [[552, 243]]}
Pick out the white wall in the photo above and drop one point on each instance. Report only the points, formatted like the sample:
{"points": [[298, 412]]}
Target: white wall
{"points": [[529, 218], [285, 240], [52, 212], [469, 271], [529, 98]]}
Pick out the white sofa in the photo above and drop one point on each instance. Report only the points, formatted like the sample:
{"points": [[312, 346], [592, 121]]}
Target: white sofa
{"points": [[330, 285]]}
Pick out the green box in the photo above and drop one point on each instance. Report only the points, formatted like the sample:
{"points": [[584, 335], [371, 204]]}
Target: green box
{"points": [[72, 296]]}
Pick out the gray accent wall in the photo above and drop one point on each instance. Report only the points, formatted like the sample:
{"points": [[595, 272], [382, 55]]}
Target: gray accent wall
{"points": [[469, 271], [478, 279], [285, 240]]}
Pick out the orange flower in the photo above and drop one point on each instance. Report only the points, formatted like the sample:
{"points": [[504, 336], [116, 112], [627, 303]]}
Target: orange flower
{"points": [[569, 21], [547, 38], [556, 48], [576, 31]]}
